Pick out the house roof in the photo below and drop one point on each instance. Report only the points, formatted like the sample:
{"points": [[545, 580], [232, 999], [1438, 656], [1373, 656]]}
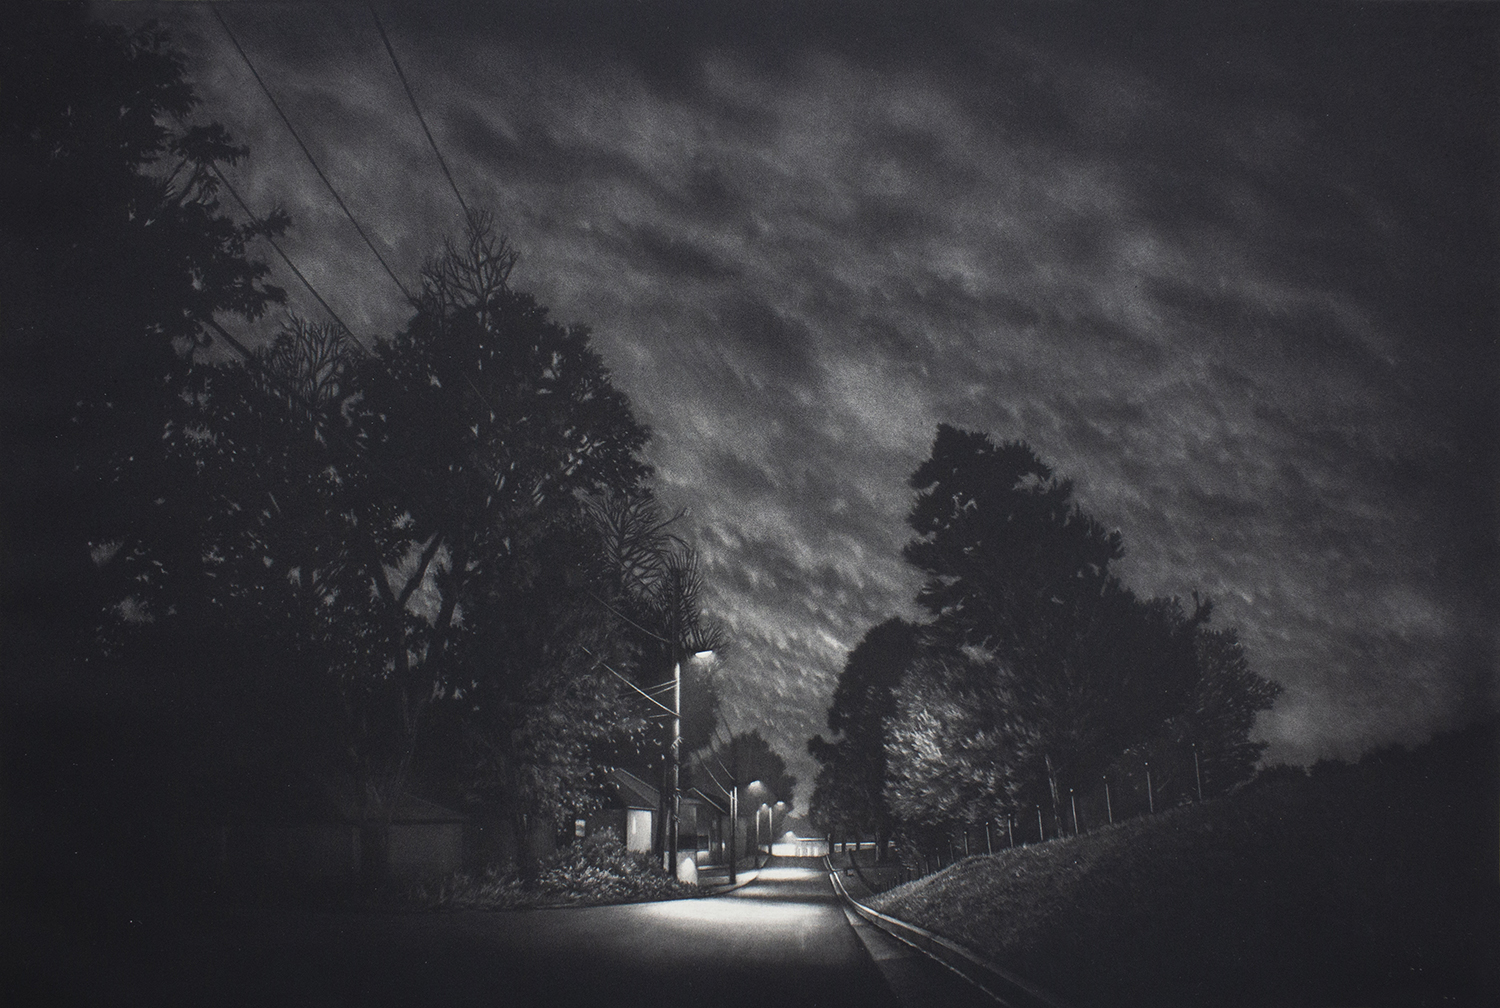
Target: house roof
{"points": [[717, 802], [637, 794], [634, 792], [310, 798]]}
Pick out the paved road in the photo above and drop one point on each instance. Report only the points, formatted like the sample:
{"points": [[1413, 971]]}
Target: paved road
{"points": [[782, 941]]}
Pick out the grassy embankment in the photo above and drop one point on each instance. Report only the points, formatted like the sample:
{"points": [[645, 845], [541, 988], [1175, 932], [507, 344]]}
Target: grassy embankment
{"points": [[1372, 884]]}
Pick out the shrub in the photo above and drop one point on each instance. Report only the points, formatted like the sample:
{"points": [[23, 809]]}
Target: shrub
{"points": [[596, 870]]}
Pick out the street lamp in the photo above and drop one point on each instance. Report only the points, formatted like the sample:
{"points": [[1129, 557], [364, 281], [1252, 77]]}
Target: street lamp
{"points": [[750, 791], [674, 768], [734, 824]]}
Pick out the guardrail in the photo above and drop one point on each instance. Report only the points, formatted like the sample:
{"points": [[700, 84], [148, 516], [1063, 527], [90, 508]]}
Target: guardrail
{"points": [[1003, 986]]}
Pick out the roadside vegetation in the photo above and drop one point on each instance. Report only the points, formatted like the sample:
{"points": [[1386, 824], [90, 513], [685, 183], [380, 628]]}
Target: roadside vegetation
{"points": [[1042, 692], [1369, 884], [594, 872], [423, 563]]}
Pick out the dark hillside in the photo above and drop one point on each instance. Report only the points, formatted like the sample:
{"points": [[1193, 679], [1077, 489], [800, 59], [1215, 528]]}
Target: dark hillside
{"points": [[1368, 884]]}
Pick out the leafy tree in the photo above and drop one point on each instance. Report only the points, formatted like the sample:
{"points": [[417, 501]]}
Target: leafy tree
{"points": [[1226, 700], [498, 424], [656, 589], [1039, 667], [746, 758], [1207, 746], [652, 583], [418, 517], [1007, 553], [958, 749], [848, 791], [114, 258], [288, 518]]}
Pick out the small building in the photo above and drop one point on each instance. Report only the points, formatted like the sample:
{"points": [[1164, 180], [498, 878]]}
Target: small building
{"points": [[631, 812], [320, 829], [633, 809]]}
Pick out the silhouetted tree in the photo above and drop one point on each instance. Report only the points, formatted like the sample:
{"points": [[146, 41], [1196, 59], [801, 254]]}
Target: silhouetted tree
{"points": [[1208, 744], [656, 589], [1008, 555], [1226, 700], [848, 792], [1039, 668], [114, 260], [418, 516], [746, 758]]}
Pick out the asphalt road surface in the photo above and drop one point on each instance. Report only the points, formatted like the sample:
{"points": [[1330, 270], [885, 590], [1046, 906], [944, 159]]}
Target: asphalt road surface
{"points": [[782, 941]]}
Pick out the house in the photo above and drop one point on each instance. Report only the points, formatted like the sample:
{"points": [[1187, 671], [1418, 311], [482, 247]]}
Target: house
{"points": [[633, 810], [318, 828]]}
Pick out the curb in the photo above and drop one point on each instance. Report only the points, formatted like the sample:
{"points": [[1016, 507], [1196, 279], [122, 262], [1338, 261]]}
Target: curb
{"points": [[1003, 986], [745, 878]]}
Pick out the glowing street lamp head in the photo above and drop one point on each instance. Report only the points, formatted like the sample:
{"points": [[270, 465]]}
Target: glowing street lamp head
{"points": [[704, 655]]}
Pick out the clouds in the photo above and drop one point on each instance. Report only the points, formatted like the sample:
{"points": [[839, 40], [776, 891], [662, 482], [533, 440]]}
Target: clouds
{"points": [[1232, 278]]}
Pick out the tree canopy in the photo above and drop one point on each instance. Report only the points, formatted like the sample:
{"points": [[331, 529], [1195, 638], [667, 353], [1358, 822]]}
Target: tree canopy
{"points": [[1038, 671], [431, 556], [745, 760], [114, 259], [848, 790]]}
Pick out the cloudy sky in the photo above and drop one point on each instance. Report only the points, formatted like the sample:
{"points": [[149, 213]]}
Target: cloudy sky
{"points": [[1235, 276]]}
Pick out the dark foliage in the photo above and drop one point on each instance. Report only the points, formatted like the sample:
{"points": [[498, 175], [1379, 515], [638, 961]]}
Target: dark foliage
{"points": [[746, 760], [1039, 676], [848, 794], [114, 258], [592, 872]]}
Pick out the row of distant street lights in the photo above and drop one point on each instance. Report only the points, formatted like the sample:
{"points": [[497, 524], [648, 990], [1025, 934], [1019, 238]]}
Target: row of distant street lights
{"points": [[674, 788], [734, 818]]}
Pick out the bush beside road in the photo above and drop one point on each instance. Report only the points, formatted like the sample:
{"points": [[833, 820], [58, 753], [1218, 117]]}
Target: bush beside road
{"points": [[595, 872]]}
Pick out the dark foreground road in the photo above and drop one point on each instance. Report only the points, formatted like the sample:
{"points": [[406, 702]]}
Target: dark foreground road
{"points": [[782, 941]]}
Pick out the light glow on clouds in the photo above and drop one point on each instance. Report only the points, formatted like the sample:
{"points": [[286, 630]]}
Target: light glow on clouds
{"points": [[1194, 269]]}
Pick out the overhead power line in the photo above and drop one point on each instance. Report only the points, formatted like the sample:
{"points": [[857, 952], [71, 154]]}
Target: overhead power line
{"points": [[307, 153], [442, 162], [604, 665], [286, 258]]}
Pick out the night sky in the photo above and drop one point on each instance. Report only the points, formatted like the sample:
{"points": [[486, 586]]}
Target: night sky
{"points": [[1235, 275]]}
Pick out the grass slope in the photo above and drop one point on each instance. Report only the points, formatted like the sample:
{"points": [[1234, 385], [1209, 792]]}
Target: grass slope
{"points": [[1374, 884]]}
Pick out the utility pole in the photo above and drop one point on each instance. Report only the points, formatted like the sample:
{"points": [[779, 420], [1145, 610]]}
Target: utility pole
{"points": [[734, 826], [674, 768]]}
